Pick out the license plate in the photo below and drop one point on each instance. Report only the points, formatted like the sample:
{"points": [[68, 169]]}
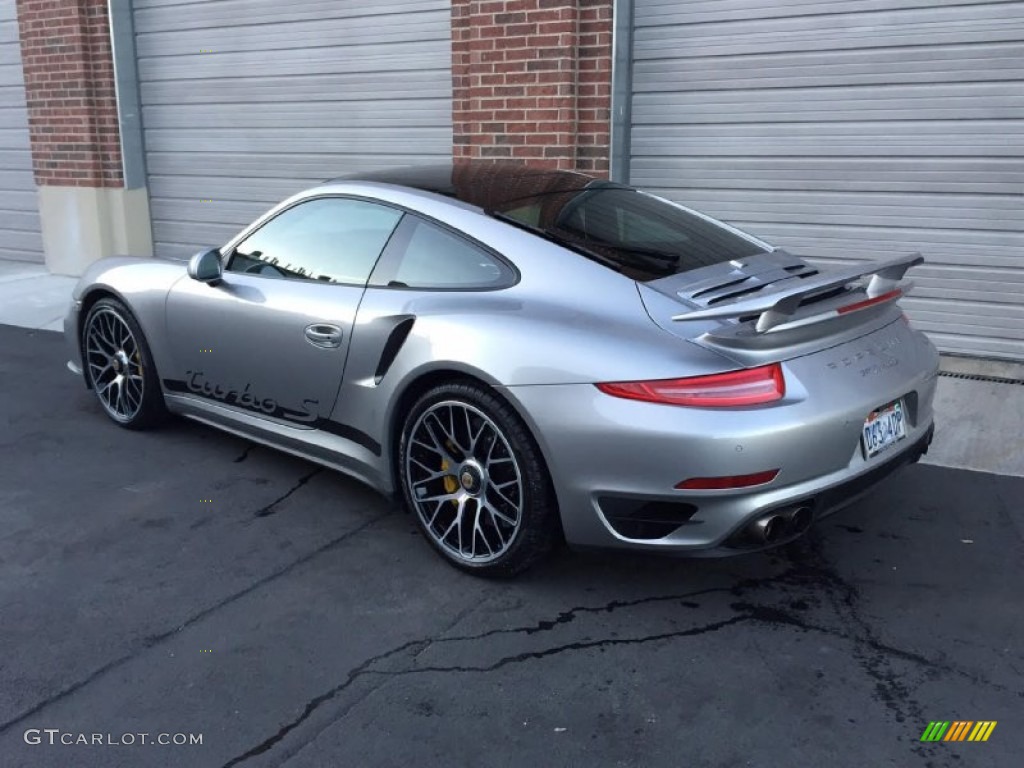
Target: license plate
{"points": [[883, 428]]}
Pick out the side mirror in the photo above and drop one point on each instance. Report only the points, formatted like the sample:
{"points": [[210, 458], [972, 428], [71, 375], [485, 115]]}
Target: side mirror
{"points": [[205, 267]]}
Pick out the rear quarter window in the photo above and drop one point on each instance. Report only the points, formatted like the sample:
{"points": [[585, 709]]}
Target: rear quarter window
{"points": [[427, 256]]}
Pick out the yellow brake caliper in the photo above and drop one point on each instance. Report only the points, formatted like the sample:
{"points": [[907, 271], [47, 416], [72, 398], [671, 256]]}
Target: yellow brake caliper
{"points": [[450, 483]]}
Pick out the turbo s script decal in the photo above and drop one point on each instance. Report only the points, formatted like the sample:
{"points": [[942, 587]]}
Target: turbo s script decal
{"points": [[243, 397]]}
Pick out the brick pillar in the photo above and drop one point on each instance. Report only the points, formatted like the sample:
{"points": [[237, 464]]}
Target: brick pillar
{"points": [[73, 128], [532, 81]]}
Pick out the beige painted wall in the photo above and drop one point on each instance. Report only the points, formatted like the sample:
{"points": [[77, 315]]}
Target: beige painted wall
{"points": [[83, 224]]}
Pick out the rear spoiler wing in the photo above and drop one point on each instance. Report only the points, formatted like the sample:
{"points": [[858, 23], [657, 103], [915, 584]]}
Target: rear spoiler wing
{"points": [[777, 307]]}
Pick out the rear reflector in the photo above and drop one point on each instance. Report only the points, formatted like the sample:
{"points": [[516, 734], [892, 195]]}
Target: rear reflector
{"points": [[890, 296], [731, 481], [751, 386]]}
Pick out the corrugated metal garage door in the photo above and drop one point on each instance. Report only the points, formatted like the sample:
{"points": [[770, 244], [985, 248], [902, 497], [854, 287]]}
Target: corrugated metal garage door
{"points": [[248, 101], [863, 128], [20, 237]]}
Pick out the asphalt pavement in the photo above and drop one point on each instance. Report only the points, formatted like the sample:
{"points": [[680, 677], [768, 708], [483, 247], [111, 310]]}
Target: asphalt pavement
{"points": [[185, 581]]}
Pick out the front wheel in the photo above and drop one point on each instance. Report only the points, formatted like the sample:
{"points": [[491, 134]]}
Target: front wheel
{"points": [[119, 366], [476, 482]]}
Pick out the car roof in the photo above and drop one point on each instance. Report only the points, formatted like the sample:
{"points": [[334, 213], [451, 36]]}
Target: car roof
{"points": [[574, 210], [491, 186]]}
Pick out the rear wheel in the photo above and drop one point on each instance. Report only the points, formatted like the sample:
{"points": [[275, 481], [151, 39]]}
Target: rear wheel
{"points": [[119, 366], [476, 482]]}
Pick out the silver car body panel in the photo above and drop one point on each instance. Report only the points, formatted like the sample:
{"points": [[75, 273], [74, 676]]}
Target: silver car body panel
{"points": [[542, 343], [812, 436]]}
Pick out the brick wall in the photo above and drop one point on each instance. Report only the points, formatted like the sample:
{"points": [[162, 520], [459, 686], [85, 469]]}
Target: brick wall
{"points": [[69, 87], [532, 81]]}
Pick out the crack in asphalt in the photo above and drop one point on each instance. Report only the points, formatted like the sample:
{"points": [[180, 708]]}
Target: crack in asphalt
{"points": [[420, 645], [873, 656], [313, 704], [773, 615], [750, 613], [388, 676], [581, 645], [869, 652], [245, 454], [269, 509], [149, 642]]}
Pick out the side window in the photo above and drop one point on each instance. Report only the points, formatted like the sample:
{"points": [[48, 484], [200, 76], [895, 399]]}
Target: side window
{"points": [[331, 239], [436, 258]]}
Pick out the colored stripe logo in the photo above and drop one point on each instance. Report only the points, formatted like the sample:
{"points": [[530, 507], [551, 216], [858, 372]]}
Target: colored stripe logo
{"points": [[958, 730]]}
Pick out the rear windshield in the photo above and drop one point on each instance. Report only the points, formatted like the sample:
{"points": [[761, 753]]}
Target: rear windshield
{"points": [[639, 235]]}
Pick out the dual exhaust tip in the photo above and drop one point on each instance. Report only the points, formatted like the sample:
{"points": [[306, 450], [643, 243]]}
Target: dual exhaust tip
{"points": [[777, 526]]}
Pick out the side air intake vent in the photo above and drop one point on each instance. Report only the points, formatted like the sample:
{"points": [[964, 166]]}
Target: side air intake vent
{"points": [[394, 343]]}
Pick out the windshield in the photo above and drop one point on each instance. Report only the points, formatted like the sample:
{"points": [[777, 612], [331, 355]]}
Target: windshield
{"points": [[639, 235]]}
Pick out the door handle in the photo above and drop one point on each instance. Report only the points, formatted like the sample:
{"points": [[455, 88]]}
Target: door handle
{"points": [[323, 335]]}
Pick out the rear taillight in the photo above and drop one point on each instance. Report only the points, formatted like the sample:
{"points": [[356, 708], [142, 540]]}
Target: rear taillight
{"points": [[751, 386]]}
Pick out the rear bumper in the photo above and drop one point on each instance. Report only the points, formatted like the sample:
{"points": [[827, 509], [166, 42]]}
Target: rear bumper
{"points": [[835, 498], [615, 463], [724, 526], [827, 501]]}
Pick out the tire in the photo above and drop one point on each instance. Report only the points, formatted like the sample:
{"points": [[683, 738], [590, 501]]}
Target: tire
{"points": [[119, 367], [475, 481]]}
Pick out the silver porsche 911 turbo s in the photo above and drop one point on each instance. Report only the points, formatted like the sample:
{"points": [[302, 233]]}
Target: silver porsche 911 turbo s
{"points": [[524, 355]]}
